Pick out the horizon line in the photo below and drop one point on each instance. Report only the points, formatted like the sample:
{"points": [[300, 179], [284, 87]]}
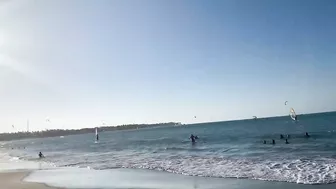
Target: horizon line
{"points": [[268, 117]]}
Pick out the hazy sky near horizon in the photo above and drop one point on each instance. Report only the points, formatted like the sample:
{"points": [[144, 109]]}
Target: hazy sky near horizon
{"points": [[81, 62]]}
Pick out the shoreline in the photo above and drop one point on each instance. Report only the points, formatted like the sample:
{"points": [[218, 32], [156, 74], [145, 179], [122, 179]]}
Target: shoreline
{"points": [[122, 178], [19, 175]]}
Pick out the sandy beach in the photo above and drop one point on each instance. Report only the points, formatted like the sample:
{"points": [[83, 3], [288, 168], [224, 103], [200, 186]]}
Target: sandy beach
{"points": [[14, 180]]}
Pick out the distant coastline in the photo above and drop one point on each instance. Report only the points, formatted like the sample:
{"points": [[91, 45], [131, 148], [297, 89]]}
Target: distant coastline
{"points": [[63, 132]]}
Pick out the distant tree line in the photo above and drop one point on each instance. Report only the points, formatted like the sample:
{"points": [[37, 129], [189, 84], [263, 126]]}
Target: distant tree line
{"points": [[62, 132]]}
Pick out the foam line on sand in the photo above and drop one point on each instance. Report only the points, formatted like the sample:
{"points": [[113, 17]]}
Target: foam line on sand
{"points": [[147, 179]]}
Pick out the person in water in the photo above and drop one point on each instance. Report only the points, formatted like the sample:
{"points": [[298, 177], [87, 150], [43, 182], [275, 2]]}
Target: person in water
{"points": [[307, 135], [273, 141], [264, 141], [287, 141], [281, 136], [41, 155], [192, 137]]}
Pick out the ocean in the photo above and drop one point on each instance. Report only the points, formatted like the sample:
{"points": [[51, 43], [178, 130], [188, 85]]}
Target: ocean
{"points": [[232, 149]]}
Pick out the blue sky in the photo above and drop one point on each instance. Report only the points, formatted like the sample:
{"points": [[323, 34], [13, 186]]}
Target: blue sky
{"points": [[84, 62]]}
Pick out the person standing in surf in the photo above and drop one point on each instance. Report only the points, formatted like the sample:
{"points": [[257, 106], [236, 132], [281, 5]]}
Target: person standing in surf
{"points": [[192, 137], [307, 135], [41, 155]]}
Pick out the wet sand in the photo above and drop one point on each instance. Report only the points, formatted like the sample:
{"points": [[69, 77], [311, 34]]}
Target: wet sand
{"points": [[147, 179], [14, 180]]}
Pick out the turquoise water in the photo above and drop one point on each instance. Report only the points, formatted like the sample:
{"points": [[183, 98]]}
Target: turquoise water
{"points": [[225, 149]]}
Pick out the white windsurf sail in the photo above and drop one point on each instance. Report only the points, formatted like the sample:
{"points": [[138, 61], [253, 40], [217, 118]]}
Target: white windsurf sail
{"points": [[97, 136], [293, 114]]}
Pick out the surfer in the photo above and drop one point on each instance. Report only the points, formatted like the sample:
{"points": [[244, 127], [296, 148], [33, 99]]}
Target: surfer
{"points": [[273, 141], [192, 137], [264, 141], [41, 155], [281, 136], [287, 141], [307, 135]]}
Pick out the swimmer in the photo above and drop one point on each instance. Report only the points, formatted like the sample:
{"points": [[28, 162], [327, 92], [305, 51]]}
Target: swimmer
{"points": [[41, 155], [192, 137]]}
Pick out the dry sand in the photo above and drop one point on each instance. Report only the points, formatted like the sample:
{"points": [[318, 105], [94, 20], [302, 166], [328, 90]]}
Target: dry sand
{"points": [[13, 180]]}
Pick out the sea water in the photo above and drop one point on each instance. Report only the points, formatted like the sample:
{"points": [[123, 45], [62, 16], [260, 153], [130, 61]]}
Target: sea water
{"points": [[231, 149]]}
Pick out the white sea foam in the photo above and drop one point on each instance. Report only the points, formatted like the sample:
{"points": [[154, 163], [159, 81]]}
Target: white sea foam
{"points": [[8, 163], [303, 171], [319, 171]]}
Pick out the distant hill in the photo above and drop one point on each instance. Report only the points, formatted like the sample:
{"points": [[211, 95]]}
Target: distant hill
{"points": [[62, 132]]}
